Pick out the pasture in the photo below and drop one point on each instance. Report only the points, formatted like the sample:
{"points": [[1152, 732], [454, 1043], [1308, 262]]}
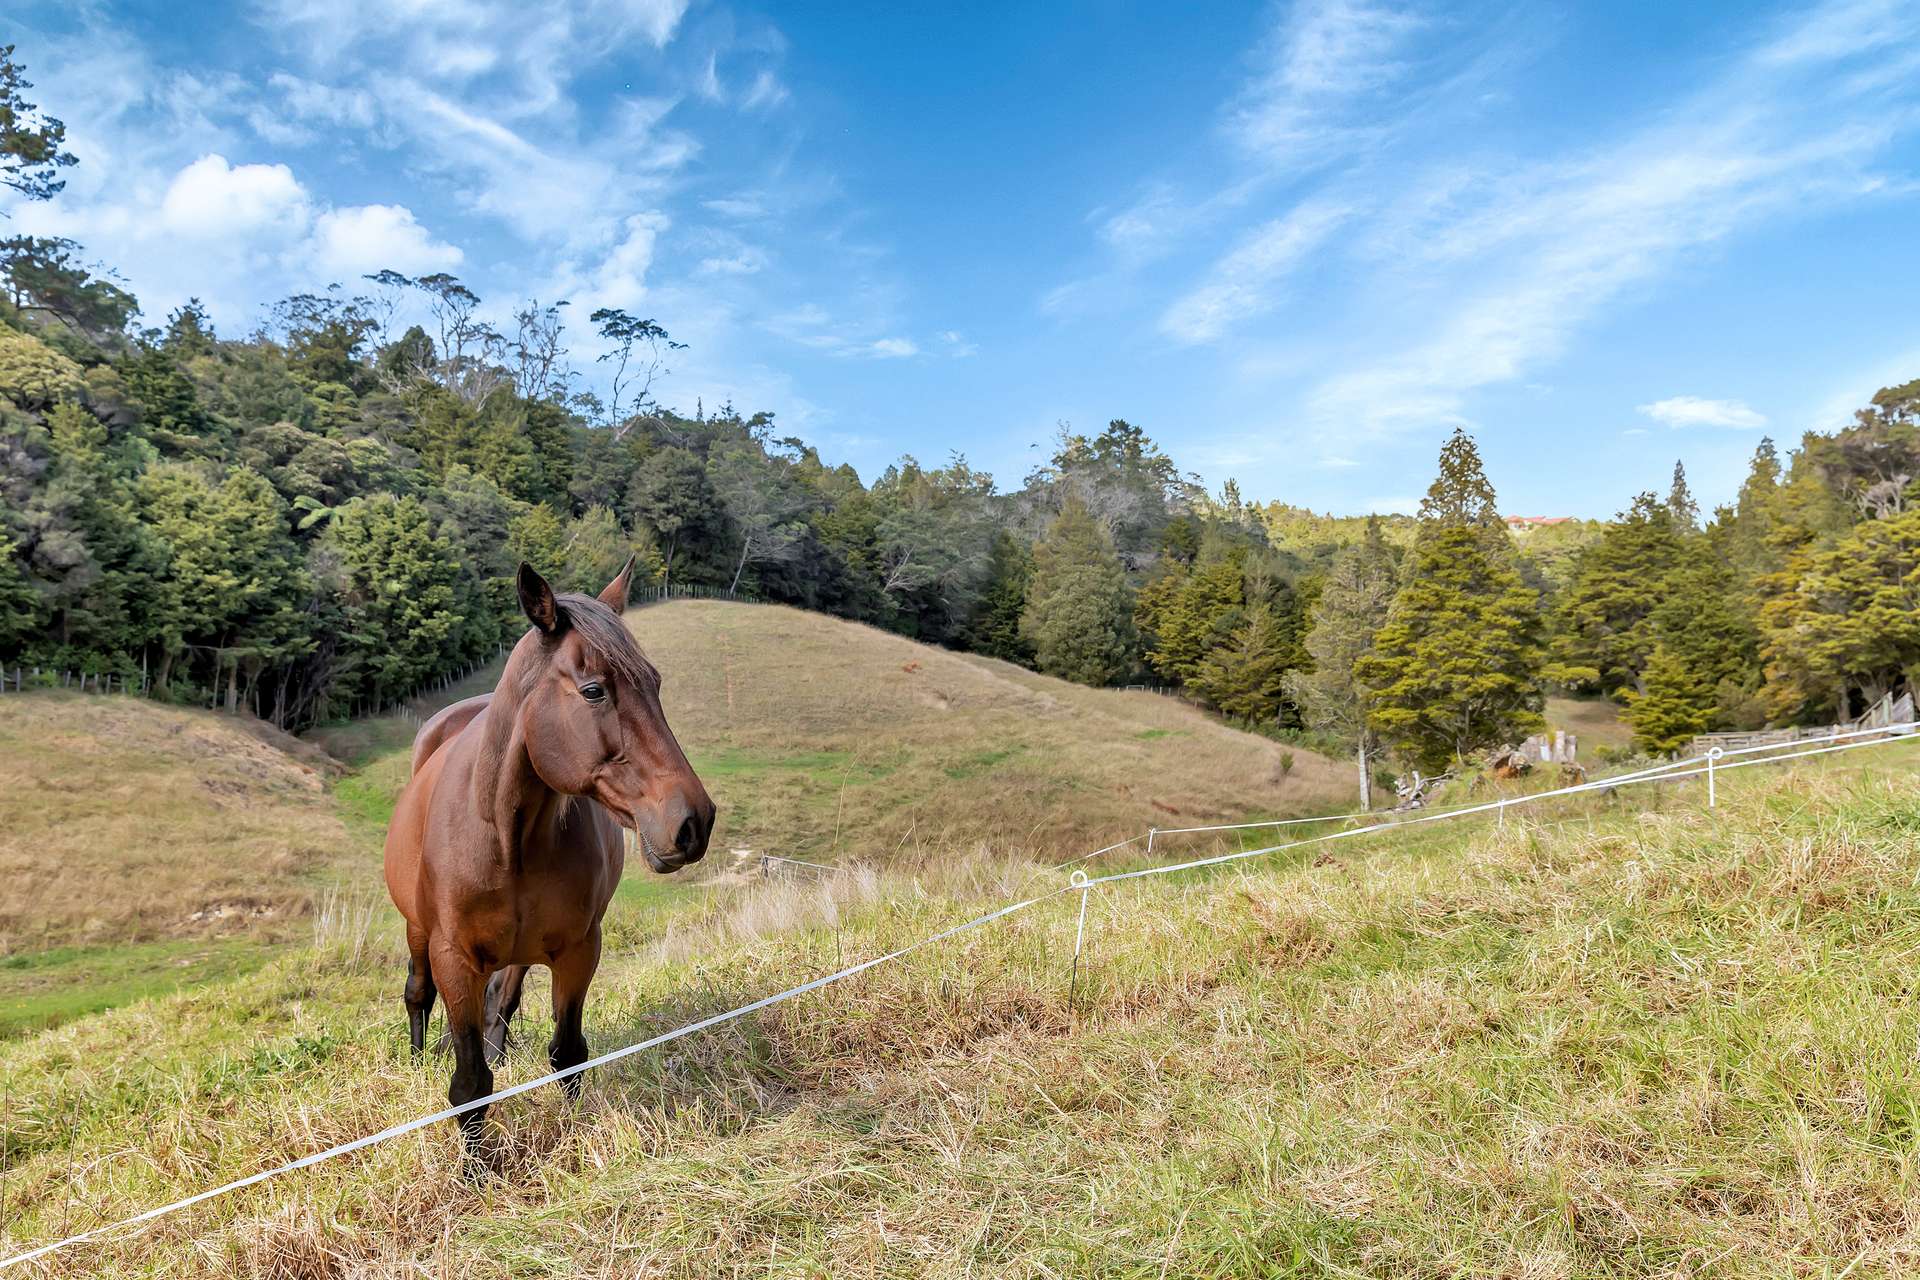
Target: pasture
{"points": [[148, 847], [1633, 1037]]}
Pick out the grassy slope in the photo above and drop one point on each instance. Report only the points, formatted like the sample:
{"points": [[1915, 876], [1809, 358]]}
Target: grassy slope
{"points": [[146, 848], [126, 820], [1595, 721], [1629, 1043], [826, 739]]}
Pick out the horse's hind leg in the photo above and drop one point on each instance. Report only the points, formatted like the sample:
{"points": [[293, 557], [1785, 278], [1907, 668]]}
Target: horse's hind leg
{"points": [[465, 991], [573, 971], [503, 1001], [419, 992]]}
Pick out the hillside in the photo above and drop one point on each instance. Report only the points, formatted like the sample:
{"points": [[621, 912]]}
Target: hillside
{"points": [[146, 847], [1624, 1041], [823, 738]]}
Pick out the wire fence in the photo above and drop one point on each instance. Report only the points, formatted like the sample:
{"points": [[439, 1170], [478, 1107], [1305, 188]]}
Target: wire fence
{"points": [[1708, 765]]}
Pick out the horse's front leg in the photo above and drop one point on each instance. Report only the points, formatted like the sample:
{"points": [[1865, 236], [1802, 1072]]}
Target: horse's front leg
{"points": [[573, 971], [464, 988]]}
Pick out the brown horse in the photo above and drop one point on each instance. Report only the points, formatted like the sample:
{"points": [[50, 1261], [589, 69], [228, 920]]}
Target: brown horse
{"points": [[505, 846]]}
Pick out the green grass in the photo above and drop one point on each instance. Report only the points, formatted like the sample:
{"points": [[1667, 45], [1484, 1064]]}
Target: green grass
{"points": [[1629, 1038], [45, 988]]}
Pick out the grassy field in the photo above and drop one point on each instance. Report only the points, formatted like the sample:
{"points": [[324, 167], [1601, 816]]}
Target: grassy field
{"points": [[828, 740], [148, 848], [123, 820], [1596, 721], [1631, 1038]]}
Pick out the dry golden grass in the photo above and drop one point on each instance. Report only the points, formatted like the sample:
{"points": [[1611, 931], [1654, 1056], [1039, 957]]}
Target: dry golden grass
{"points": [[123, 820], [1630, 1043], [826, 739]]}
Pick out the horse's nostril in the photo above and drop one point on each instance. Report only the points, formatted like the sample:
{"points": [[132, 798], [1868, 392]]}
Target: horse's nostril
{"points": [[688, 837]]}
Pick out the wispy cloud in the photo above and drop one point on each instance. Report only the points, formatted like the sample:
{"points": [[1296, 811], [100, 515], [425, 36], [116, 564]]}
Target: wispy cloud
{"points": [[1242, 284], [1325, 57], [1500, 269], [1697, 411]]}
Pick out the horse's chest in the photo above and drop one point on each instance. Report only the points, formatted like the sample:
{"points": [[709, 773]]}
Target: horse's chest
{"points": [[523, 910]]}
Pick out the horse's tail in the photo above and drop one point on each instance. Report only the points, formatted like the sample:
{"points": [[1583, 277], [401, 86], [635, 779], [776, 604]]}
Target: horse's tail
{"points": [[444, 727]]}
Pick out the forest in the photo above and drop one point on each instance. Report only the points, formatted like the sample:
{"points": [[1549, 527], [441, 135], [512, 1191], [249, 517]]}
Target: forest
{"points": [[320, 515]]}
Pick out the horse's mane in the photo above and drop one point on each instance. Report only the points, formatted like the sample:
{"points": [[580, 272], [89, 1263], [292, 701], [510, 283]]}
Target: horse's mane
{"points": [[606, 635]]}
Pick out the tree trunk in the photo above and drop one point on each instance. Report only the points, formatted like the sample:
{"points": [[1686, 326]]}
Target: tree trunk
{"points": [[233, 687], [1366, 777], [746, 546]]}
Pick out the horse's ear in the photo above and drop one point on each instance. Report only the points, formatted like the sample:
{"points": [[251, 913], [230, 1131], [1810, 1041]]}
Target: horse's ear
{"points": [[536, 599], [615, 596]]}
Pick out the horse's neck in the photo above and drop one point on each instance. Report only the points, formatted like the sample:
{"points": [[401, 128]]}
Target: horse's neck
{"points": [[506, 787]]}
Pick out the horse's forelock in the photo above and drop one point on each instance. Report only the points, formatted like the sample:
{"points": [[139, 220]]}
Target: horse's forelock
{"points": [[605, 633]]}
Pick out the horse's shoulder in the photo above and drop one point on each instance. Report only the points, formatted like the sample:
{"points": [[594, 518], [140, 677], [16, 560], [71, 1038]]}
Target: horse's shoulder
{"points": [[445, 726]]}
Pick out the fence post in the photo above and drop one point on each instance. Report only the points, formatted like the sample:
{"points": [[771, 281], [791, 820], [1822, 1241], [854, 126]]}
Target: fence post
{"points": [[1079, 881], [1713, 754]]}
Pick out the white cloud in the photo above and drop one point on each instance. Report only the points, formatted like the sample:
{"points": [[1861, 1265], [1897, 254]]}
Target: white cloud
{"points": [[741, 206], [619, 277], [1241, 284], [744, 261], [1327, 54], [708, 86], [1490, 274], [211, 199], [892, 349], [766, 91], [362, 239], [1696, 411], [957, 346]]}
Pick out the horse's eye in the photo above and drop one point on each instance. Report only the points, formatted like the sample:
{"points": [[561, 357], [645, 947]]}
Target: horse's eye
{"points": [[593, 692]]}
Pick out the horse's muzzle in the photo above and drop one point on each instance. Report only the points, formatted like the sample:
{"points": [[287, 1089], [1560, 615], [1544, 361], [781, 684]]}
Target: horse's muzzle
{"points": [[690, 821]]}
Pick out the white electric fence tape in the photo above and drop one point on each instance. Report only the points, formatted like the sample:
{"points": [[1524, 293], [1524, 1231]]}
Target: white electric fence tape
{"points": [[1080, 883]]}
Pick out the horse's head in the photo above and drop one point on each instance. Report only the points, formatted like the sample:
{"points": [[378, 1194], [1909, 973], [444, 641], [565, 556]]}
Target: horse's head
{"points": [[591, 720]]}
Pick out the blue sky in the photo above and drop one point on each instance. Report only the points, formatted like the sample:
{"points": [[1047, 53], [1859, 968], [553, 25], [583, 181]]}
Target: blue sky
{"points": [[1297, 242]]}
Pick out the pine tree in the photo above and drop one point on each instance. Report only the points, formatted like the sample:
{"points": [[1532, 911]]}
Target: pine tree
{"points": [[397, 594], [995, 626], [1848, 622], [1680, 504], [1676, 705], [671, 495], [538, 537], [1186, 613], [1606, 630], [1353, 605], [1079, 613], [19, 602], [1246, 678], [1461, 495], [597, 547], [1455, 668]]}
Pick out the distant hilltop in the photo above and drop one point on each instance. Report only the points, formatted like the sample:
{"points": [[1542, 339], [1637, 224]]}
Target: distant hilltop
{"points": [[1535, 522]]}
